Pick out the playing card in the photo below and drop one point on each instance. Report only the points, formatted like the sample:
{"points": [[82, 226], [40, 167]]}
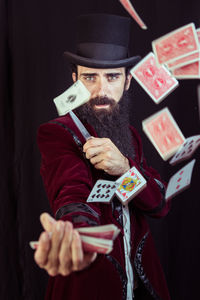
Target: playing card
{"points": [[180, 181], [176, 44], [164, 133], [34, 244], [73, 97], [103, 191], [198, 34], [155, 80], [198, 98], [129, 185], [91, 244], [186, 150], [94, 239], [109, 231], [131, 10], [184, 61], [190, 71]]}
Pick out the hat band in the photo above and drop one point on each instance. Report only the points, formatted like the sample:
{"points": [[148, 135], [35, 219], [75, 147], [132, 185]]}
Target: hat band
{"points": [[102, 51]]}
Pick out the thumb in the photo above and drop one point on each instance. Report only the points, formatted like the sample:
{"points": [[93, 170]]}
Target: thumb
{"points": [[47, 222]]}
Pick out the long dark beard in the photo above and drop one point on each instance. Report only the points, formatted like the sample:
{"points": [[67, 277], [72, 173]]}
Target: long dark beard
{"points": [[112, 123]]}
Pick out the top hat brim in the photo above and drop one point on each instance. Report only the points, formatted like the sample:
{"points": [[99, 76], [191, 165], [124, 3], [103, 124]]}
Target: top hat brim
{"points": [[101, 64]]}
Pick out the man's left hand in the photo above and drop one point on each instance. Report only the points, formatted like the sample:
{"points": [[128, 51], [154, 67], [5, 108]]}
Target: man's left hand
{"points": [[104, 155]]}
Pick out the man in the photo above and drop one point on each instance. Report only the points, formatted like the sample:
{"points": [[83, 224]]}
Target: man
{"points": [[132, 269]]}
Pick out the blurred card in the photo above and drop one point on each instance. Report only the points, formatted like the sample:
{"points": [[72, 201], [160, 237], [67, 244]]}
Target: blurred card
{"points": [[176, 44], [129, 185], [180, 181], [164, 133], [184, 61], [155, 80], [92, 244], [94, 239], [132, 12], [186, 150], [109, 231], [190, 71], [103, 191], [198, 98], [73, 97], [198, 34]]}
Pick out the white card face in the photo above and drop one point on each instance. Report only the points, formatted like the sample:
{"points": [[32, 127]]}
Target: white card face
{"points": [[180, 181], [103, 191], [156, 80], [129, 185], [164, 133], [72, 98], [186, 150]]}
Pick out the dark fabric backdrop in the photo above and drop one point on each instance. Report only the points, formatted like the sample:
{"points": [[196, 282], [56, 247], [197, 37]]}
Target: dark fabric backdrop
{"points": [[33, 37]]}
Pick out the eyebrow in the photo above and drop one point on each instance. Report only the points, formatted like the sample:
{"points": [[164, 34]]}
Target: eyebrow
{"points": [[95, 74]]}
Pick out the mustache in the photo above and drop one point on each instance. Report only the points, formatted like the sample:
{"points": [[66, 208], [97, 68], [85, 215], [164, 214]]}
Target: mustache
{"points": [[102, 101]]}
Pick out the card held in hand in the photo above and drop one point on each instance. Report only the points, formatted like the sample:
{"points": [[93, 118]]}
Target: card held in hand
{"points": [[180, 181], [72, 98], [103, 191], [129, 185], [164, 133], [156, 80]]}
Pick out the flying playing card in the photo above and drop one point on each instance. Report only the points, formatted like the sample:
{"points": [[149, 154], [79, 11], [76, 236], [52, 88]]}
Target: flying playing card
{"points": [[131, 10], [103, 191], [198, 34], [155, 80], [186, 150], [184, 61], [176, 44], [164, 133], [73, 97], [129, 185], [198, 98], [180, 181], [190, 71]]}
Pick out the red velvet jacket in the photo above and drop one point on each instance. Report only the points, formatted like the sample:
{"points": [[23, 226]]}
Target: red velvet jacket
{"points": [[68, 178]]}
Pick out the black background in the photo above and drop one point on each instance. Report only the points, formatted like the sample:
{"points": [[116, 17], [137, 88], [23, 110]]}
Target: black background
{"points": [[33, 36]]}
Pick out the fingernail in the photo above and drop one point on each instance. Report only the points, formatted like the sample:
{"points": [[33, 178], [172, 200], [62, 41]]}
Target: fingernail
{"points": [[59, 226], [51, 220]]}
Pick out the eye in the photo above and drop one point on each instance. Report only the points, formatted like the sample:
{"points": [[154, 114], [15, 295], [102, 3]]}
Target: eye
{"points": [[89, 78], [113, 77]]}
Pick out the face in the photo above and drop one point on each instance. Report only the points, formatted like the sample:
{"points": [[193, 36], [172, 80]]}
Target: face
{"points": [[109, 83]]}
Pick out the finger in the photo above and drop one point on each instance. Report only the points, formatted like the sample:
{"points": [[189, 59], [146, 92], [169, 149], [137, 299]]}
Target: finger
{"points": [[77, 251], [95, 142], [65, 257], [94, 151], [53, 258], [47, 221], [42, 251]]}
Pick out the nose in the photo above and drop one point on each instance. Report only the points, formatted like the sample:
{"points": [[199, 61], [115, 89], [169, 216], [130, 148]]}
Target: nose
{"points": [[101, 88]]}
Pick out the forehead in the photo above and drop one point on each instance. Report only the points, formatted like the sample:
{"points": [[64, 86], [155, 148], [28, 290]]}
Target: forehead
{"points": [[82, 69]]}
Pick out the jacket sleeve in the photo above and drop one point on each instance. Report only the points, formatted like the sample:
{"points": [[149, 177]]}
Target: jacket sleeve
{"points": [[66, 176], [151, 201]]}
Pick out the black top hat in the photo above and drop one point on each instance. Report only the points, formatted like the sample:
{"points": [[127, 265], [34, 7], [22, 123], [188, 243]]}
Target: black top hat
{"points": [[102, 42]]}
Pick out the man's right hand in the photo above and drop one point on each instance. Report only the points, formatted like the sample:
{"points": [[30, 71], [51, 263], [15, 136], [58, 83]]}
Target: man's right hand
{"points": [[62, 252]]}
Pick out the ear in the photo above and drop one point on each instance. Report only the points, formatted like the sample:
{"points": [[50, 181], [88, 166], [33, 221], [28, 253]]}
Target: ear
{"points": [[128, 82], [74, 76]]}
